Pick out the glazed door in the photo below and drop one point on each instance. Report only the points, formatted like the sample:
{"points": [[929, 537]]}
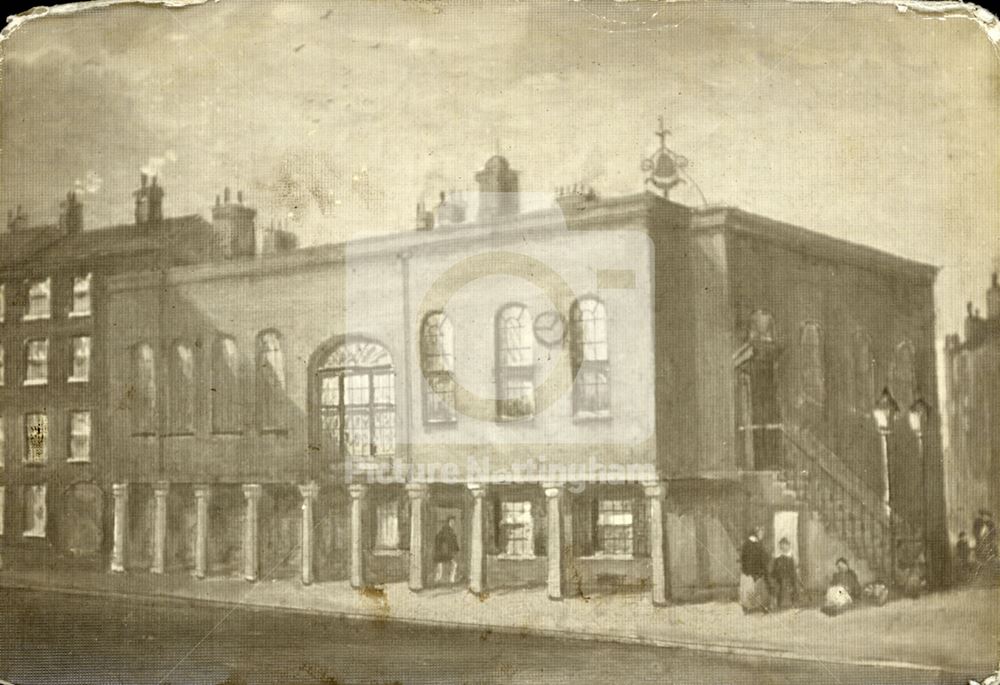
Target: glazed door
{"points": [[759, 428]]}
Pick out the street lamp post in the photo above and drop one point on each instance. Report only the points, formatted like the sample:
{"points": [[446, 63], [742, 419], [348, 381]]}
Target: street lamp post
{"points": [[918, 414], [884, 412]]}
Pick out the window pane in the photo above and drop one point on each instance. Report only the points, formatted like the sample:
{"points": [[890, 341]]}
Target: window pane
{"points": [[436, 344], [270, 382], [2, 365], [36, 429], [518, 399], [181, 389], [384, 437], [227, 399], [813, 381], [440, 398], [81, 294], [514, 337], [357, 434], [35, 511], [330, 391], [37, 361], [384, 388], [79, 444], [81, 358], [38, 299], [592, 391], [518, 529], [3, 506], [3, 301], [142, 399], [3, 446], [614, 527], [387, 520]]}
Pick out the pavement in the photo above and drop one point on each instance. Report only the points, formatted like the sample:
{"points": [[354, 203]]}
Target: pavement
{"points": [[957, 632]]}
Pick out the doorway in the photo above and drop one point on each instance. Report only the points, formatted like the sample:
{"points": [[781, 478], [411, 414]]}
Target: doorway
{"points": [[759, 413], [440, 518]]}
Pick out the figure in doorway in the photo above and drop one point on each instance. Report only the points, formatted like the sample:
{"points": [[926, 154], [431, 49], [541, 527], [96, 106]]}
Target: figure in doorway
{"points": [[754, 594], [445, 549]]}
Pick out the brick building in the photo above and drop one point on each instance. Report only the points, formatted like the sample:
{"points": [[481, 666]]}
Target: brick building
{"points": [[972, 383], [54, 365], [604, 394]]}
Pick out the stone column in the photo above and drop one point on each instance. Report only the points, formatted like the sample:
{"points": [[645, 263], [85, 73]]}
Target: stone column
{"points": [[418, 494], [357, 534], [655, 493], [120, 493], [251, 553], [160, 491], [202, 494], [477, 550], [309, 493], [553, 495]]}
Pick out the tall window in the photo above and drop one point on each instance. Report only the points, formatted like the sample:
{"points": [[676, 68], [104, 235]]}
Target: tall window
{"points": [[3, 444], [81, 296], [589, 339], [357, 402], [517, 526], [81, 359], [3, 302], [863, 372], [515, 363], [387, 524], [615, 534], [812, 376], [142, 390], [35, 511], [964, 393], [39, 299], [2, 364], [79, 436], [37, 362], [903, 381], [181, 388], [437, 361], [270, 382], [36, 438], [226, 399], [3, 506]]}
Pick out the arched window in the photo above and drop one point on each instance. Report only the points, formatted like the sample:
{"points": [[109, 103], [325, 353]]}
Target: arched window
{"points": [[515, 363], [812, 377], [357, 402], [142, 390], [437, 361], [903, 380], [863, 372], [181, 388], [271, 414], [227, 416], [589, 355]]}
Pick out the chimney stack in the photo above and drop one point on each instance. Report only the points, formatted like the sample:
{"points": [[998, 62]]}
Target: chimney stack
{"points": [[71, 214], [499, 196], [235, 233], [148, 202], [993, 298]]}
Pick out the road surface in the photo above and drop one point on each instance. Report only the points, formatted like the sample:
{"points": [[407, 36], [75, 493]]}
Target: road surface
{"points": [[53, 639]]}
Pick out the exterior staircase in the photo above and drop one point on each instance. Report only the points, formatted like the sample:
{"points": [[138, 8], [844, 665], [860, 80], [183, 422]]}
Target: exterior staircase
{"points": [[845, 504]]}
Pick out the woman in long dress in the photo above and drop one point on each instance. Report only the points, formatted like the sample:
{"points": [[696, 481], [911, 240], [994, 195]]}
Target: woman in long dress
{"points": [[754, 595]]}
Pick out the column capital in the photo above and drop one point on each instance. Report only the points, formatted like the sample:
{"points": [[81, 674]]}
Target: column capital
{"points": [[252, 490], [119, 489], [417, 490], [655, 490], [202, 491], [309, 490], [161, 488], [478, 490], [357, 490], [553, 490]]}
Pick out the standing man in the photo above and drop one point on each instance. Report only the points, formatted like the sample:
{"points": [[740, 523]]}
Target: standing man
{"points": [[445, 549], [753, 578]]}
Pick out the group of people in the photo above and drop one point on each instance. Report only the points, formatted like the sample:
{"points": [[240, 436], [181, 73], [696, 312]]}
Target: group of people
{"points": [[772, 584], [973, 558], [767, 584]]}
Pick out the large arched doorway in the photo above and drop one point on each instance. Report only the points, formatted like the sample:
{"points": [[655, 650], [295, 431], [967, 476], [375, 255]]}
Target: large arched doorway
{"points": [[82, 523]]}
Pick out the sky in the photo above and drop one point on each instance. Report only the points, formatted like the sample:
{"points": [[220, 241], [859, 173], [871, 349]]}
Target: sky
{"points": [[860, 121]]}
